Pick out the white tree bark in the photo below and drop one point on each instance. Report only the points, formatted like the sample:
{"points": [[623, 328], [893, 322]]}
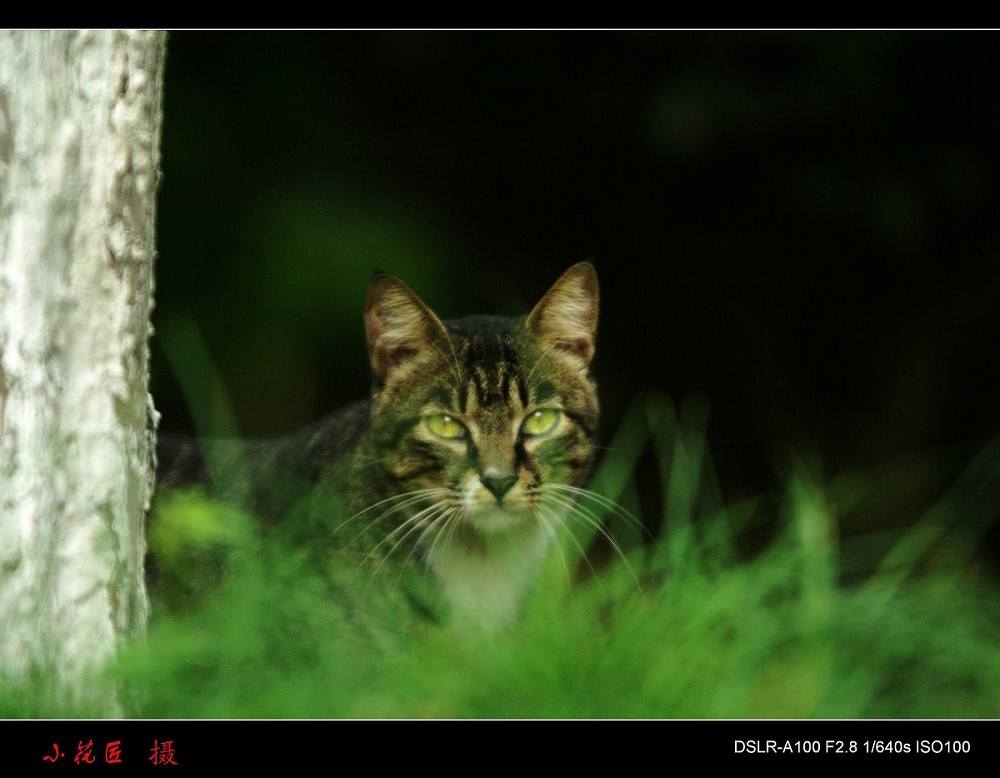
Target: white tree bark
{"points": [[80, 116]]}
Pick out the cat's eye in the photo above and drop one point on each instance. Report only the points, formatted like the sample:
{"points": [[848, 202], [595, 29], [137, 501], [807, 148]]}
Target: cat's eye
{"points": [[445, 426], [541, 421]]}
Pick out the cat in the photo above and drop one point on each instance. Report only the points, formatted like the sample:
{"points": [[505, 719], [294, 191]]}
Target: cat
{"points": [[471, 450]]}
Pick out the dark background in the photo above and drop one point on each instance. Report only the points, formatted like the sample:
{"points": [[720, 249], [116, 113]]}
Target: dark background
{"points": [[799, 227]]}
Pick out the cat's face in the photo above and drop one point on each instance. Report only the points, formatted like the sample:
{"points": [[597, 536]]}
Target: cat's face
{"points": [[487, 422]]}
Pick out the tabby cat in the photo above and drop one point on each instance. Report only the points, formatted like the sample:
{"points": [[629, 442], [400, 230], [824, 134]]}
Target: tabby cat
{"points": [[470, 452]]}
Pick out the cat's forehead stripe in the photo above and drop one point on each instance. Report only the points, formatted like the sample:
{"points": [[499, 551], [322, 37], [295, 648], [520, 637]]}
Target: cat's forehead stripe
{"points": [[488, 367], [499, 383], [488, 360]]}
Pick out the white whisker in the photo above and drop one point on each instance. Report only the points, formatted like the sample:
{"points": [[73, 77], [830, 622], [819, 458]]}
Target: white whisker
{"points": [[408, 498], [604, 502], [575, 509], [551, 534], [430, 525], [568, 509], [451, 519], [410, 526]]}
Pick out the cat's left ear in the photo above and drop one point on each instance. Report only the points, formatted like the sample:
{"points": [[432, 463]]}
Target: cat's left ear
{"points": [[566, 317]]}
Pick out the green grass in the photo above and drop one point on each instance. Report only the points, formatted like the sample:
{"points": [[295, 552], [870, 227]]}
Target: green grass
{"points": [[683, 625]]}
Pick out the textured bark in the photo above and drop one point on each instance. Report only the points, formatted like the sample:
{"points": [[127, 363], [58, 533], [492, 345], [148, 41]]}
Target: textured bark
{"points": [[80, 116]]}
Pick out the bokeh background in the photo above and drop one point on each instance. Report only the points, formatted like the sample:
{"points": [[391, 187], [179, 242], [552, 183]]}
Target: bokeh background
{"points": [[800, 228]]}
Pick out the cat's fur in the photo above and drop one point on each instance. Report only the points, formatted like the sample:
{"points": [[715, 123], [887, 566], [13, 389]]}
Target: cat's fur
{"points": [[480, 504]]}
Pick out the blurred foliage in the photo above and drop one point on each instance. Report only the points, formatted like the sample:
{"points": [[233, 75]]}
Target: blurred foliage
{"points": [[679, 627], [259, 622]]}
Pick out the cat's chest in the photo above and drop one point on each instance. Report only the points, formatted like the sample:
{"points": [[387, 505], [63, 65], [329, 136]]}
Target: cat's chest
{"points": [[483, 588]]}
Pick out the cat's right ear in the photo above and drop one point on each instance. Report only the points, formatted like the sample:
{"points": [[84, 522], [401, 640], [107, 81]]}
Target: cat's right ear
{"points": [[398, 324]]}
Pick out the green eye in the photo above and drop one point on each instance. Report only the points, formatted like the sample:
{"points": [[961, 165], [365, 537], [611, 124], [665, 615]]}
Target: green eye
{"points": [[444, 426], [541, 421]]}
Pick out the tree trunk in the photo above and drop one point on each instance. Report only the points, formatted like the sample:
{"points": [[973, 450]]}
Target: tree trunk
{"points": [[80, 116]]}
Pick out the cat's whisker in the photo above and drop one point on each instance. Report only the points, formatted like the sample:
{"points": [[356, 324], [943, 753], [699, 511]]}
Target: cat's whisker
{"points": [[407, 498], [408, 527], [384, 557], [552, 535], [443, 517], [417, 521], [569, 531], [459, 515], [451, 519], [616, 449], [405, 527], [575, 509], [609, 505], [414, 494], [427, 526]]}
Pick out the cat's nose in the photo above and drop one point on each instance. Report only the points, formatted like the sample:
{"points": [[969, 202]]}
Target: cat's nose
{"points": [[499, 483]]}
